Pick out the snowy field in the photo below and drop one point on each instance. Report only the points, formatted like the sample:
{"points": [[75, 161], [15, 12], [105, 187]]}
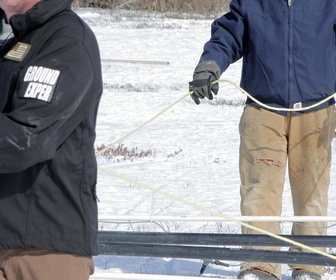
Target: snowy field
{"points": [[192, 151]]}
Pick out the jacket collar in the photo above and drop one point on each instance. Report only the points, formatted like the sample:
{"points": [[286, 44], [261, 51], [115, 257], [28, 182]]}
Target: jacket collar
{"points": [[41, 12]]}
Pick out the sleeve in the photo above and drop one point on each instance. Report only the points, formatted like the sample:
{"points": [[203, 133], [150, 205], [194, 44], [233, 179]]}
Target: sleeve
{"points": [[228, 33], [53, 94]]}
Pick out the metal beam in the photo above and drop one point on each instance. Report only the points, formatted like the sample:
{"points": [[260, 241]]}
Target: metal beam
{"points": [[209, 239], [206, 252], [135, 61], [149, 218]]}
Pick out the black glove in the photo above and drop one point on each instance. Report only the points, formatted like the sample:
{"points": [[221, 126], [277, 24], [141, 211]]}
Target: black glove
{"points": [[206, 72]]}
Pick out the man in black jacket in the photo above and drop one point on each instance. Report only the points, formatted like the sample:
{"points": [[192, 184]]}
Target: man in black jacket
{"points": [[51, 84]]}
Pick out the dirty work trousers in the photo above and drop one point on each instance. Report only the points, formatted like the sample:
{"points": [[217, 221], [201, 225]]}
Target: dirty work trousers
{"points": [[43, 265], [268, 141]]}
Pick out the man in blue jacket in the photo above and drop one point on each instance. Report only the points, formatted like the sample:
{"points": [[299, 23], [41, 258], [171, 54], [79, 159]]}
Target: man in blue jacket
{"points": [[51, 84], [289, 54]]}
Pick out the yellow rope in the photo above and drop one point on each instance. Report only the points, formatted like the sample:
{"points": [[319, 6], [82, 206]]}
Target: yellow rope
{"points": [[143, 125], [200, 207], [276, 108], [189, 93]]}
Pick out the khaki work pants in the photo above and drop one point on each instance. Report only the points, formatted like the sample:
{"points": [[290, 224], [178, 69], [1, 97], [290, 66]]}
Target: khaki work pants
{"points": [[43, 265], [268, 141]]}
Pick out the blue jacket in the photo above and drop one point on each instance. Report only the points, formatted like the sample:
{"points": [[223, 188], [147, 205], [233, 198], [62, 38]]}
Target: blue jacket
{"points": [[288, 49]]}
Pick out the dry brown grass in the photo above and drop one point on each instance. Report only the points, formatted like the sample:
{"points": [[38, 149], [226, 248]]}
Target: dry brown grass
{"points": [[122, 153], [176, 6]]}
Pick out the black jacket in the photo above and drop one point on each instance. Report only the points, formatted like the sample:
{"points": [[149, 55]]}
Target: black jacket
{"points": [[50, 85]]}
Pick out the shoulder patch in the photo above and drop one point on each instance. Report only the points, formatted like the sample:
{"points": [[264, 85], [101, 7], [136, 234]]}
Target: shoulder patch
{"points": [[18, 52], [39, 83]]}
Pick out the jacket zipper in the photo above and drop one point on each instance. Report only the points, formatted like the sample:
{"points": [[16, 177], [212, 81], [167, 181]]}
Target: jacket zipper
{"points": [[290, 52]]}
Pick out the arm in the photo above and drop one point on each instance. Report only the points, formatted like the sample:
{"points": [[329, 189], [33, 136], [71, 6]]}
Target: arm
{"points": [[224, 47], [228, 34], [43, 114]]}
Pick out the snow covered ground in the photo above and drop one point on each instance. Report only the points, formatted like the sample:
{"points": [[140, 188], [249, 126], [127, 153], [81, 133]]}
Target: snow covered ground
{"points": [[193, 150]]}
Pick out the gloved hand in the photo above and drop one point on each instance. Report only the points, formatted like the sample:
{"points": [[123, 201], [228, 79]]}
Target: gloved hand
{"points": [[205, 73]]}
